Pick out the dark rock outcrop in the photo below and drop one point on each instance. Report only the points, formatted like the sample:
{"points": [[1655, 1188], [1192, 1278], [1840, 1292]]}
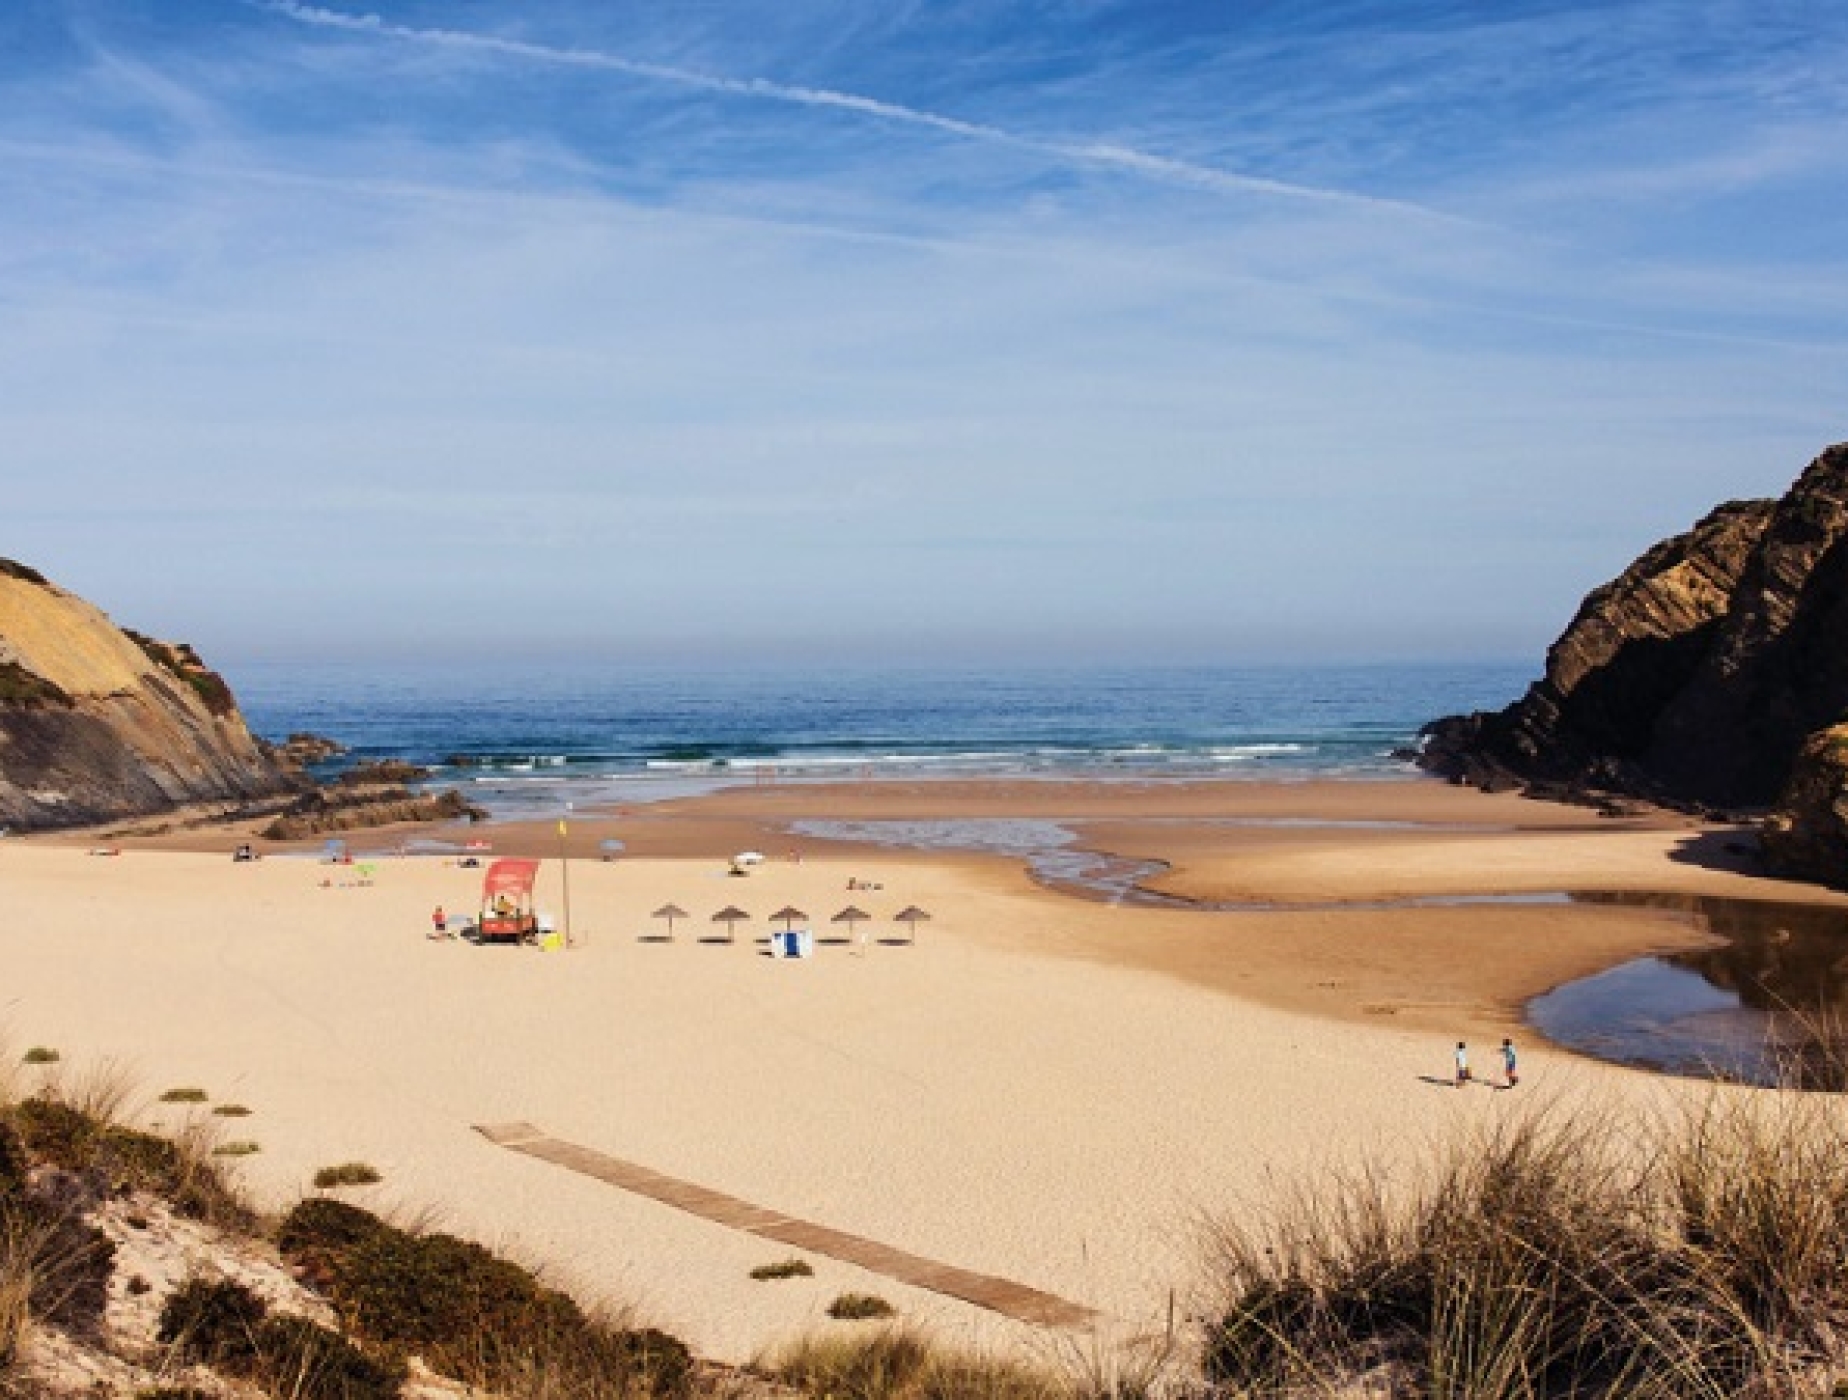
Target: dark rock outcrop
{"points": [[300, 750], [98, 724], [350, 808], [1807, 835], [1695, 679]]}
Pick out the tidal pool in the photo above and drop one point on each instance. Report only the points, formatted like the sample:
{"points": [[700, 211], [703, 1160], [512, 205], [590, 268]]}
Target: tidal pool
{"points": [[1767, 1005]]}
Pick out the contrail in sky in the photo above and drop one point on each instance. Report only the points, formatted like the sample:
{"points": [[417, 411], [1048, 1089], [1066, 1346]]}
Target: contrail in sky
{"points": [[1128, 159]]}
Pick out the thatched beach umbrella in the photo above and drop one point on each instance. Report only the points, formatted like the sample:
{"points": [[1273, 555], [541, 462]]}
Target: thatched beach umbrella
{"points": [[730, 915], [911, 916], [788, 915], [851, 917], [670, 912]]}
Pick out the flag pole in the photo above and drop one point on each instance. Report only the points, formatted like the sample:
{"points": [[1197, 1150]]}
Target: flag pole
{"points": [[564, 864]]}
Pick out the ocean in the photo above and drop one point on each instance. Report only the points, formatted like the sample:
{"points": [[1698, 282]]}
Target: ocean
{"points": [[526, 740]]}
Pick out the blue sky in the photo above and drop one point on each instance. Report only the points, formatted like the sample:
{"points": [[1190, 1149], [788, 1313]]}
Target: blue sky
{"points": [[974, 329]]}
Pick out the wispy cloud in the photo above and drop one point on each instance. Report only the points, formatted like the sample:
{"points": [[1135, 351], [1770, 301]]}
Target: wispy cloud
{"points": [[1097, 154]]}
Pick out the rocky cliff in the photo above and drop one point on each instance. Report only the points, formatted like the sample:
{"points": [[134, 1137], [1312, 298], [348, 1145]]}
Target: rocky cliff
{"points": [[98, 723], [1698, 677]]}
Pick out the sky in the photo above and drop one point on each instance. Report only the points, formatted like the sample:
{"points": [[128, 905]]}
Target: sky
{"points": [[893, 331]]}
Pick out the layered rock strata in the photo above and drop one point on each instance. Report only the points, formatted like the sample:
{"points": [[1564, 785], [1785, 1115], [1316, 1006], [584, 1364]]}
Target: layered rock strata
{"points": [[97, 723], [1698, 678]]}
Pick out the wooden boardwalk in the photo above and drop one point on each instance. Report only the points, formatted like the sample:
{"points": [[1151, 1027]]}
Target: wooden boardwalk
{"points": [[1014, 1300]]}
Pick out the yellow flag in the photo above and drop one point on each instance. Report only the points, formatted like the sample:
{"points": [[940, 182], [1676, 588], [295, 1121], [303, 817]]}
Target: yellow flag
{"points": [[561, 826]]}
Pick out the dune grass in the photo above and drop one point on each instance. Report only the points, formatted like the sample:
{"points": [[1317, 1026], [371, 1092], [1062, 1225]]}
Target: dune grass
{"points": [[1559, 1253], [901, 1363], [185, 1094]]}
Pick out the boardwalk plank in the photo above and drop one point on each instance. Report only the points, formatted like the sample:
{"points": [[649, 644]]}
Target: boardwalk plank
{"points": [[1000, 1295]]}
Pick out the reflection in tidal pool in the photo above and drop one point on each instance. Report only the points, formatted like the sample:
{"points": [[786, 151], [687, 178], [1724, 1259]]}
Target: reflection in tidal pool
{"points": [[1767, 1005]]}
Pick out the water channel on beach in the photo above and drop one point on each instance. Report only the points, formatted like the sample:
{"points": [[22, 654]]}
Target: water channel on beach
{"points": [[1767, 1003]]}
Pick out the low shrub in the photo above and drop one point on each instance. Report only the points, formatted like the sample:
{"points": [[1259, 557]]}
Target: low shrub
{"points": [[227, 1326], [237, 1147], [788, 1268], [300, 1358], [57, 1132], [214, 1321], [179, 1170], [185, 1095], [857, 1307], [470, 1314], [435, 1293], [42, 1055], [23, 689], [347, 1174], [231, 1110], [321, 1231]]}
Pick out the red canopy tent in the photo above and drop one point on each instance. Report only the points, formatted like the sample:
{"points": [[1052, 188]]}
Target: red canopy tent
{"points": [[507, 900]]}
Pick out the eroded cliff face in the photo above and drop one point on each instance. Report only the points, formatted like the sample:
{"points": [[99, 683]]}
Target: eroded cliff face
{"points": [[97, 723], [1697, 677], [1591, 722]]}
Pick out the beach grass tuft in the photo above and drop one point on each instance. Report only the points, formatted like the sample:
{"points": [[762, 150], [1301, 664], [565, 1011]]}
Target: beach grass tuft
{"points": [[1559, 1253], [237, 1147], [186, 1094], [231, 1110], [900, 1363], [347, 1174], [41, 1055], [787, 1268]]}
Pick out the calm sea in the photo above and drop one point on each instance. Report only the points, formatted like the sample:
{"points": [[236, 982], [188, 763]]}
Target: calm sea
{"points": [[536, 738]]}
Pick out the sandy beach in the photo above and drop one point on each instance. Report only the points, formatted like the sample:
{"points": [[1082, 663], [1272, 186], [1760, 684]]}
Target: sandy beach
{"points": [[1045, 1088]]}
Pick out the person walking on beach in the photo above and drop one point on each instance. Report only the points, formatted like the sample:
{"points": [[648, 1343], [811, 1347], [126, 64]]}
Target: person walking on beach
{"points": [[439, 923], [1510, 1066], [1462, 1064]]}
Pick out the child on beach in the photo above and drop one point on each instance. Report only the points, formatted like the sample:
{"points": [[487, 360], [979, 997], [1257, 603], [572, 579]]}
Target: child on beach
{"points": [[1509, 1064], [439, 923], [1462, 1064]]}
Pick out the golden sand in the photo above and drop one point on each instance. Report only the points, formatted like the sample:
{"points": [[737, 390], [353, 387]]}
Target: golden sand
{"points": [[1043, 1089]]}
